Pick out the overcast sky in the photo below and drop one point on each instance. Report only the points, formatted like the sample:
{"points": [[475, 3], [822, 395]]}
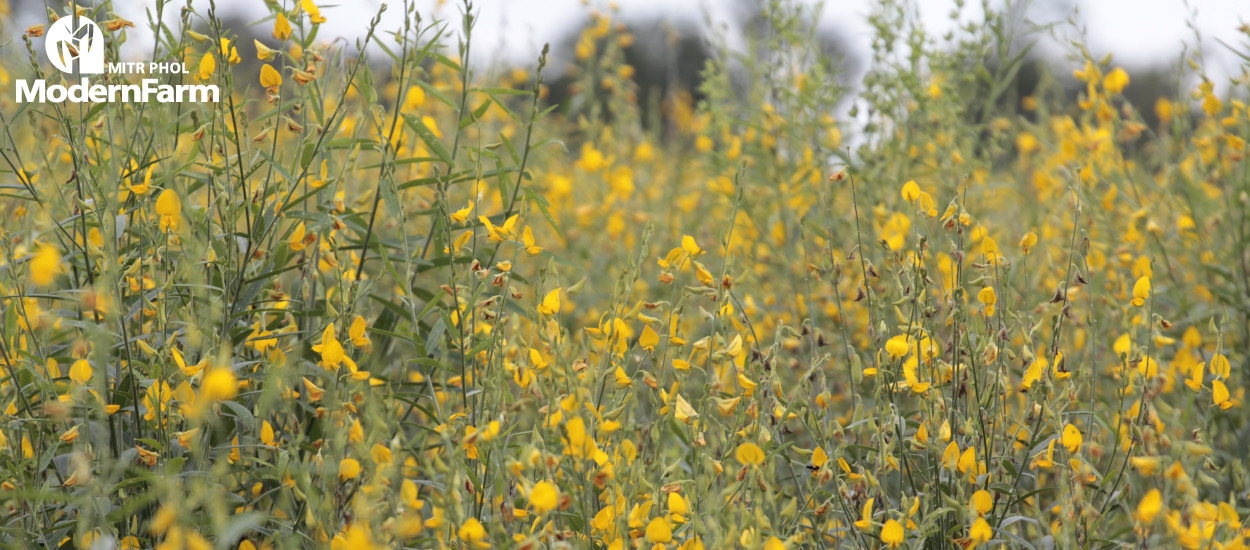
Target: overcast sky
{"points": [[1139, 32]]}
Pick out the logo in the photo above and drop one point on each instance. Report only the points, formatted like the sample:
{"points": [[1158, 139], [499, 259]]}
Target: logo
{"points": [[84, 43], [75, 44]]}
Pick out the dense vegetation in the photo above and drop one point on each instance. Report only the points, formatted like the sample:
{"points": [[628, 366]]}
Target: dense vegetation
{"points": [[393, 300]]}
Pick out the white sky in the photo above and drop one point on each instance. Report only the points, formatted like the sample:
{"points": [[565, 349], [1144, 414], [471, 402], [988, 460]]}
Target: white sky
{"points": [[1138, 31]]}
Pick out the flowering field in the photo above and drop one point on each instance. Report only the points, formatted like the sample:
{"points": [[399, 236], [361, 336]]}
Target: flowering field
{"points": [[396, 301]]}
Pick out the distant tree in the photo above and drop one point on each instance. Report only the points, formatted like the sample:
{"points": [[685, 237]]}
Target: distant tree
{"points": [[669, 57]]}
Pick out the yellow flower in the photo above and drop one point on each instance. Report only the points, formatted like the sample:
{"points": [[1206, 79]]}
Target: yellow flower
{"points": [[1122, 345], [332, 353], [1220, 367], [185, 438], [356, 433], [851, 474], [1219, 394], [683, 412], [819, 457], [1034, 372], [1028, 241], [208, 66], [80, 371], [261, 340], [414, 98], [950, 456], [1048, 461], [1072, 438], [70, 435], [1115, 81], [649, 339], [967, 460], [623, 379], [356, 332], [314, 13], [536, 360], [266, 434], [897, 346], [297, 241], [355, 537], [303, 77], [982, 502], [380, 454], [1149, 506], [462, 215], [678, 507], [911, 191], [264, 53], [592, 159], [182, 364], [544, 497], [989, 299], [218, 384], [45, 265], [314, 392], [703, 274], [471, 531], [169, 208], [989, 248], [659, 531], [229, 52], [1141, 291], [498, 234], [926, 204], [980, 532], [147, 457], [922, 434], [909, 373], [349, 468], [1164, 109], [892, 533], [726, 407], [156, 397], [270, 77], [527, 240], [281, 27], [864, 523], [749, 454], [551, 303], [1145, 465]]}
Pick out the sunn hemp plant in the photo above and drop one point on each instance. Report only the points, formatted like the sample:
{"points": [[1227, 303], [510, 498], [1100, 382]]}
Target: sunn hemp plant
{"points": [[378, 297]]}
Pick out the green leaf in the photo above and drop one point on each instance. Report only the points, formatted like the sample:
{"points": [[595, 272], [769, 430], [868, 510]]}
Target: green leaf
{"points": [[240, 524], [432, 141], [240, 412], [494, 90], [475, 116], [435, 336], [544, 207]]}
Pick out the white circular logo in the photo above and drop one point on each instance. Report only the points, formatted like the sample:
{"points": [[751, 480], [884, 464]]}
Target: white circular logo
{"points": [[66, 43]]}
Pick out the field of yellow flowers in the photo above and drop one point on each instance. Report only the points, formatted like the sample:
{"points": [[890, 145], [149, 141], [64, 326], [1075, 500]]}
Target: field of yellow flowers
{"points": [[392, 300]]}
